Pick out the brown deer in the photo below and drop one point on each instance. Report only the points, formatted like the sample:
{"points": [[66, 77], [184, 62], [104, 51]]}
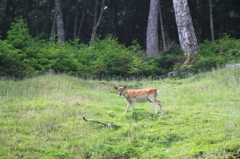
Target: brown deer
{"points": [[140, 95]]}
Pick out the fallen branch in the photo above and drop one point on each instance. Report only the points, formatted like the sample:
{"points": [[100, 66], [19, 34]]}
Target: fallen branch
{"points": [[106, 124]]}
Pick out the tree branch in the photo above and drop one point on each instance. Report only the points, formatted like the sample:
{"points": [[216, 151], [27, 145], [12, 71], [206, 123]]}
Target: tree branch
{"points": [[106, 124]]}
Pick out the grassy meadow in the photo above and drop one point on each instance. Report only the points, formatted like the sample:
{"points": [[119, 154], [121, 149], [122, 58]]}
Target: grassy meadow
{"points": [[42, 117]]}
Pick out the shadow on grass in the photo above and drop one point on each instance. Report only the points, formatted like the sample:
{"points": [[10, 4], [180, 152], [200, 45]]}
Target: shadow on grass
{"points": [[142, 115]]}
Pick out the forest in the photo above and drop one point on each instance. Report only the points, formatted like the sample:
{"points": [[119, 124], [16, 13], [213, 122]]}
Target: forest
{"points": [[61, 61], [104, 38]]}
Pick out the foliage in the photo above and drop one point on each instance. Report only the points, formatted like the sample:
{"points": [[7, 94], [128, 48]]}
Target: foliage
{"points": [[169, 59], [22, 56], [19, 36], [11, 60], [174, 49], [219, 53], [15, 51], [113, 59], [219, 47], [208, 63], [104, 58], [41, 117]]}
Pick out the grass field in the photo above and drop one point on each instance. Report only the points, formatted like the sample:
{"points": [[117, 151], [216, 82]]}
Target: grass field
{"points": [[42, 117]]}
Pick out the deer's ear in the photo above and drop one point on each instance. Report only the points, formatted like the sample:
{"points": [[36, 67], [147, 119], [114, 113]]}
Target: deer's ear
{"points": [[115, 87], [124, 87]]}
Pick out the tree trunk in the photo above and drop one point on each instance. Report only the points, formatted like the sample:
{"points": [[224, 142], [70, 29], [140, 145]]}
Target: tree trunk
{"points": [[162, 29], [53, 29], [96, 22], [82, 19], [187, 37], [66, 24], [198, 20], [3, 6], [75, 21], [152, 29], [59, 21], [223, 21], [211, 20]]}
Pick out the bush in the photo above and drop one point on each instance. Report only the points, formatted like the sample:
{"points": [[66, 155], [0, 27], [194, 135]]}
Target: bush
{"points": [[14, 51], [109, 58], [174, 50], [19, 36], [21, 56], [233, 55], [11, 60], [221, 52], [169, 59], [207, 63]]}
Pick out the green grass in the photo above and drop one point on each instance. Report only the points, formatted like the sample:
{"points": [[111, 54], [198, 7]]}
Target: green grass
{"points": [[41, 117]]}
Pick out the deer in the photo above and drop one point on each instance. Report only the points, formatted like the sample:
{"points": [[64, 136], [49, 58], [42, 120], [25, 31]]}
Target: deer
{"points": [[140, 95]]}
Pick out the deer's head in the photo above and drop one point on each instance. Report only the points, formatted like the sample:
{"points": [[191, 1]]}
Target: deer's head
{"points": [[120, 89]]}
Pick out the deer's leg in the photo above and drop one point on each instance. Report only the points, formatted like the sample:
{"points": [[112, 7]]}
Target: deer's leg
{"points": [[160, 105], [128, 105], [155, 102], [156, 108], [132, 107]]}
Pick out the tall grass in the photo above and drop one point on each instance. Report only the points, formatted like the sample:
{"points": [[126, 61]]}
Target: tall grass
{"points": [[41, 117]]}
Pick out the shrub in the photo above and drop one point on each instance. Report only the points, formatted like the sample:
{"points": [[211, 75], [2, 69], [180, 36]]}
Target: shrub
{"points": [[233, 55], [174, 50], [221, 52], [14, 51], [59, 58], [19, 36], [109, 58], [169, 59], [11, 60], [207, 63]]}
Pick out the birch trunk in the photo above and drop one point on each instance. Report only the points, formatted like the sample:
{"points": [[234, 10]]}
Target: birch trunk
{"points": [[59, 21], [187, 37], [97, 21], [152, 29]]}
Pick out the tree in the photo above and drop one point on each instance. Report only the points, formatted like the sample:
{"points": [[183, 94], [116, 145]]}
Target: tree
{"points": [[126, 20], [53, 29], [162, 29], [59, 21], [3, 6], [19, 36], [97, 21], [152, 29], [75, 21], [211, 20], [223, 18], [187, 37], [82, 18]]}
